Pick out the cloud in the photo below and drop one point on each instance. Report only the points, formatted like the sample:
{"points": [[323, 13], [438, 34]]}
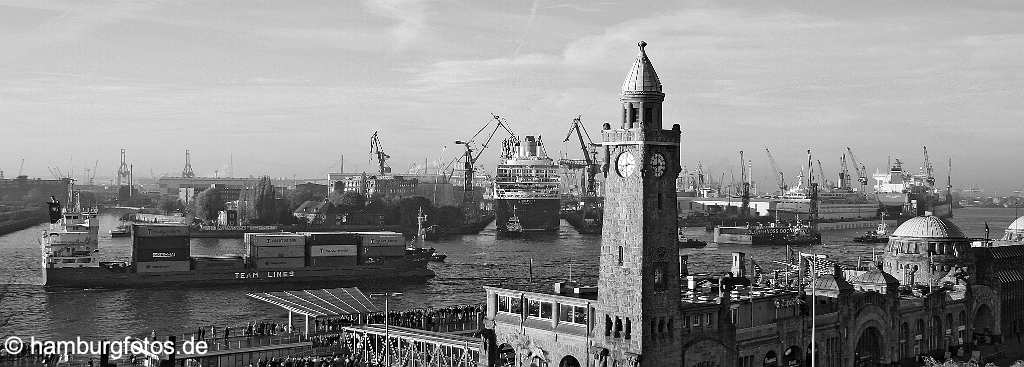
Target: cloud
{"points": [[411, 17]]}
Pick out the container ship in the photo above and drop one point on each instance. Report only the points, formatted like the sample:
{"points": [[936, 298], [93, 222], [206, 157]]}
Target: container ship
{"points": [[526, 188], [161, 256]]}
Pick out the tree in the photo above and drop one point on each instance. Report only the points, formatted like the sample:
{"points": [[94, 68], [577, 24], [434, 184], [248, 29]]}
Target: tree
{"points": [[306, 192], [170, 205], [208, 203], [348, 201], [264, 202]]}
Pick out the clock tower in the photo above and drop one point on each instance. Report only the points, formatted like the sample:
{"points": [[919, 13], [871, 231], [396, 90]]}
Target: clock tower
{"points": [[638, 309]]}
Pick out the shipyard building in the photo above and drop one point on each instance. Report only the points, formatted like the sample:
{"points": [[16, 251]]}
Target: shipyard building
{"points": [[933, 292]]}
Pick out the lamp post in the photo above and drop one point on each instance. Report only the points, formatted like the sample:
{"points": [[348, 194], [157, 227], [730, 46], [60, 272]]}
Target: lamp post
{"points": [[387, 328]]}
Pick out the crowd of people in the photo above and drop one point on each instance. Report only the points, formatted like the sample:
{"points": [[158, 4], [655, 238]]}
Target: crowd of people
{"points": [[339, 360], [437, 319]]}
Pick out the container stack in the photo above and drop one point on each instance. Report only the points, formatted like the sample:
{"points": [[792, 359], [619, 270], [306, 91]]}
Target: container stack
{"points": [[276, 251], [378, 246], [333, 249], [160, 248]]}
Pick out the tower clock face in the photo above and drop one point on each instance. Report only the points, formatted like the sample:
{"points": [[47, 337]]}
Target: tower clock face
{"points": [[625, 164], [658, 164]]}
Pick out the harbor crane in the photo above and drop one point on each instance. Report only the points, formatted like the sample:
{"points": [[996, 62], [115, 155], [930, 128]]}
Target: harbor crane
{"points": [[844, 174], [780, 176], [821, 173], [589, 150], [469, 159], [862, 175], [376, 151]]}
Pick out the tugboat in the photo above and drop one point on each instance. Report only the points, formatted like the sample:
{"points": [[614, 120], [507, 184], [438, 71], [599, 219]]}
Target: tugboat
{"points": [[416, 250], [879, 235], [122, 230]]}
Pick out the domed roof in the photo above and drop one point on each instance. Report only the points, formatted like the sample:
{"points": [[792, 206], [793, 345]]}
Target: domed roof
{"points": [[642, 77], [928, 227], [875, 276], [1017, 225]]}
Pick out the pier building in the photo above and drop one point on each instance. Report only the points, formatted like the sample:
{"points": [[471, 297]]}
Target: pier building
{"points": [[931, 293]]}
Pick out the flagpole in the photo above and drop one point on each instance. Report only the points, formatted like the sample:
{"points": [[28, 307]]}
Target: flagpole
{"points": [[814, 278]]}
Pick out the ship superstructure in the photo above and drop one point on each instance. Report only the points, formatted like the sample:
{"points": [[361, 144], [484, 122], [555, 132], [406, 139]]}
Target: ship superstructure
{"points": [[526, 187], [903, 194], [72, 238]]}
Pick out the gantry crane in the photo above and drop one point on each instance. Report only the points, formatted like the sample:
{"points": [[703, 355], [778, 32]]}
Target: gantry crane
{"points": [[862, 175], [781, 177], [589, 151], [377, 151]]}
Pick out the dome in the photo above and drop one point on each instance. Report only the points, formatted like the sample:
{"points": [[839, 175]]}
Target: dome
{"points": [[928, 227], [1017, 226], [642, 77]]}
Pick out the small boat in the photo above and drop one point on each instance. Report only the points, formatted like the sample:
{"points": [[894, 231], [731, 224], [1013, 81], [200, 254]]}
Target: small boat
{"points": [[879, 235], [121, 231], [688, 242], [415, 250], [691, 243]]}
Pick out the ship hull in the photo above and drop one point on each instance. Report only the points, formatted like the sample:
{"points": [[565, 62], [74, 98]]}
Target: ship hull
{"points": [[535, 215], [100, 277]]}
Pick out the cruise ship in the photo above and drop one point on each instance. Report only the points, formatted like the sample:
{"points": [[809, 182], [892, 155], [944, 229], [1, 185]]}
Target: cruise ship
{"points": [[526, 188], [902, 194]]}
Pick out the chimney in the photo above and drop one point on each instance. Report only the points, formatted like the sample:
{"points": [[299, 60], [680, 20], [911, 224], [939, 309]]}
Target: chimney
{"points": [[738, 261]]}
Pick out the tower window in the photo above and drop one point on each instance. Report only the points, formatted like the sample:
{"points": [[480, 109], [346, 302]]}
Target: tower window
{"points": [[620, 255], [618, 327], [633, 112], [629, 328], [648, 115]]}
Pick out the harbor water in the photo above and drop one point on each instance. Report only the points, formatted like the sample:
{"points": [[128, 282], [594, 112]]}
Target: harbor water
{"points": [[473, 261]]}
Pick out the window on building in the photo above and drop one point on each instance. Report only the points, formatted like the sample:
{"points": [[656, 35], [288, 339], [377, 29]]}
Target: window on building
{"points": [[633, 114], [509, 304], [671, 327], [607, 325], [572, 314], [618, 327], [539, 309], [648, 114], [620, 255], [707, 319], [629, 328]]}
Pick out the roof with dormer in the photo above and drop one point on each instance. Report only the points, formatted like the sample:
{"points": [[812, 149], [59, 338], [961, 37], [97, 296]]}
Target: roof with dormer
{"points": [[876, 276], [642, 77], [929, 227]]}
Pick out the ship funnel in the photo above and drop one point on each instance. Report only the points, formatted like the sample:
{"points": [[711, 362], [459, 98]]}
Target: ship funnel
{"points": [[531, 146]]}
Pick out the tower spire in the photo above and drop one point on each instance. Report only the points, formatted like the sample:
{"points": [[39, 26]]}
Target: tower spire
{"points": [[187, 172]]}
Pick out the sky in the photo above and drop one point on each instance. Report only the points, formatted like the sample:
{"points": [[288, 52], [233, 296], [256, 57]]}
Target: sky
{"points": [[286, 88]]}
